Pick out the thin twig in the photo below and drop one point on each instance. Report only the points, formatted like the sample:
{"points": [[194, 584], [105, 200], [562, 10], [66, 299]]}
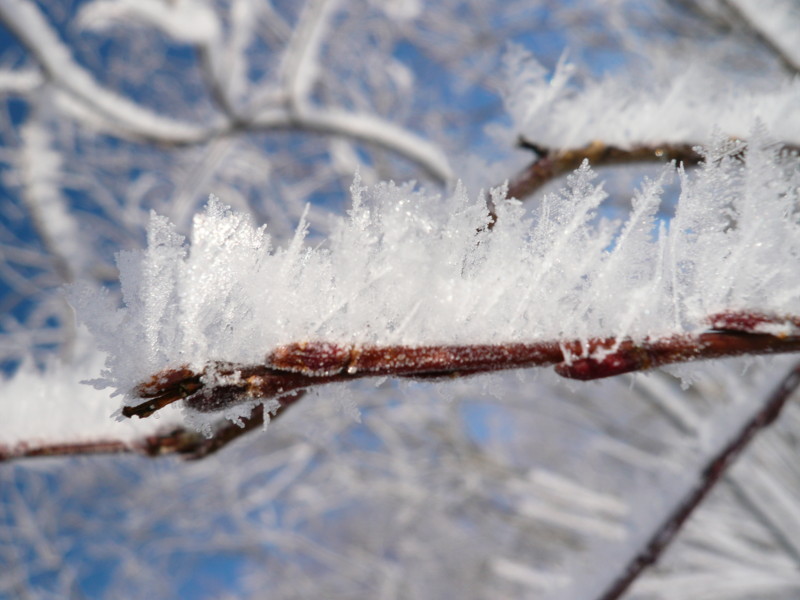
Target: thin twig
{"points": [[30, 450], [295, 367], [712, 473], [550, 163], [190, 444]]}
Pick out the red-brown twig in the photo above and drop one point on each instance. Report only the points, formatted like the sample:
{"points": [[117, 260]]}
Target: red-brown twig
{"points": [[190, 444], [289, 370], [712, 473], [296, 367], [550, 164], [44, 449]]}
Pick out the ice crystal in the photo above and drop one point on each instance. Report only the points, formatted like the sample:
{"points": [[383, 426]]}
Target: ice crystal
{"points": [[405, 267]]}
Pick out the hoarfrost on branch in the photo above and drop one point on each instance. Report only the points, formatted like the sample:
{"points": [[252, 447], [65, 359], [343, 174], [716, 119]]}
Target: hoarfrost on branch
{"points": [[121, 117]]}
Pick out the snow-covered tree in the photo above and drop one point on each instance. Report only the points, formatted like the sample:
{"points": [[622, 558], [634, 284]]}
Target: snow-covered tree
{"points": [[429, 224]]}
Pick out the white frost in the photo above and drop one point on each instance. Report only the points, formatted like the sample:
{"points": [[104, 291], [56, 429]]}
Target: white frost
{"points": [[52, 406], [189, 21], [111, 110], [671, 104], [407, 268]]}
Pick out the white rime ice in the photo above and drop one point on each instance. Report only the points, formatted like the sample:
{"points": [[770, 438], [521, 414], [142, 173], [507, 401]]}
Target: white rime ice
{"points": [[404, 267], [660, 105], [39, 408]]}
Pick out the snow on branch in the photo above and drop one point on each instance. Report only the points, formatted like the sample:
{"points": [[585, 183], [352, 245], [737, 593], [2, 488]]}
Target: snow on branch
{"points": [[84, 98], [667, 105], [363, 127], [28, 23], [616, 121], [47, 413], [188, 22], [412, 285]]}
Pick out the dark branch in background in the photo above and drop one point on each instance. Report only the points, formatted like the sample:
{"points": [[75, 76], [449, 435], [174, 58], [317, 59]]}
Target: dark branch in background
{"points": [[551, 163], [741, 18], [711, 475], [190, 444]]}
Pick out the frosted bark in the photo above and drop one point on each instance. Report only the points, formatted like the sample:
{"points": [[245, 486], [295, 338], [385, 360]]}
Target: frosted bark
{"points": [[408, 270], [516, 484]]}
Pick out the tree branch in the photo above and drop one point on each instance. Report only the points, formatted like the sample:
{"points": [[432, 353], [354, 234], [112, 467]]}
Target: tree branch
{"points": [[33, 450], [292, 369], [133, 121], [551, 163], [297, 367], [190, 444], [712, 473]]}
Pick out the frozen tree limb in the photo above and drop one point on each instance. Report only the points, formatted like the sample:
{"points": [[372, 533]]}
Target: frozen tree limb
{"points": [[116, 113], [552, 163], [657, 108], [27, 22], [301, 366], [292, 370], [225, 319]]}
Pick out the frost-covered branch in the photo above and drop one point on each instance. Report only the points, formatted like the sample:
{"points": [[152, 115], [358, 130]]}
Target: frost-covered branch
{"points": [[290, 371], [565, 121], [413, 286], [28, 23], [108, 111], [552, 163], [673, 105], [295, 368]]}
